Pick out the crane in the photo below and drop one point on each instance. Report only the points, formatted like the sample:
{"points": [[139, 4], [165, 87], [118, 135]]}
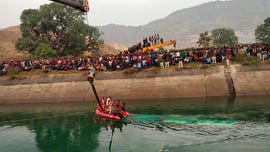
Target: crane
{"points": [[81, 5], [168, 43]]}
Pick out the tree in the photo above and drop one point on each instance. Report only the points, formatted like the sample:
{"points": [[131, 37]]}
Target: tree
{"points": [[204, 40], [262, 32], [44, 51], [59, 26], [27, 43], [224, 37]]}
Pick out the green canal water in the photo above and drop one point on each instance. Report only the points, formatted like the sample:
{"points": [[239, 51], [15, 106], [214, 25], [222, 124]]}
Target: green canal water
{"points": [[169, 125]]}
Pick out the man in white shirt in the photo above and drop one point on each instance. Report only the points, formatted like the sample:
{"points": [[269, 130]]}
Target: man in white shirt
{"points": [[91, 74]]}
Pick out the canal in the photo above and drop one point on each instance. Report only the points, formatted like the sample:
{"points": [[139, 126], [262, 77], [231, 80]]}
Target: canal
{"points": [[168, 125]]}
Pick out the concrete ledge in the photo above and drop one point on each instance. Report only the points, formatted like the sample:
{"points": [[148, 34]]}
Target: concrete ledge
{"points": [[252, 83], [205, 83], [146, 88]]}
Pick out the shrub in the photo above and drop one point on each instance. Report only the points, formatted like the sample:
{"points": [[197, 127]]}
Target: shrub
{"points": [[246, 60], [44, 51]]}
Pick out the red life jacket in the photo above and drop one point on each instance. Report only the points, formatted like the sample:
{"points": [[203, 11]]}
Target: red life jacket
{"points": [[103, 101], [118, 104]]}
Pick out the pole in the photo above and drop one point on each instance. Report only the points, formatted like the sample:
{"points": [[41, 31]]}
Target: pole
{"points": [[110, 146], [91, 77], [96, 95]]}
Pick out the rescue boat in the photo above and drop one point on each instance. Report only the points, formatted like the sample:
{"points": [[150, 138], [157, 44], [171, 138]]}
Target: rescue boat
{"points": [[110, 116]]}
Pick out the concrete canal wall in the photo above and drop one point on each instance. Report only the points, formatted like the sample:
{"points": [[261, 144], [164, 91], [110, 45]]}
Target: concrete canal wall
{"points": [[65, 88], [251, 82]]}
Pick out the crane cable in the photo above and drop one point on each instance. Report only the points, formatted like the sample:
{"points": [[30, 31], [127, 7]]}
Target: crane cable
{"points": [[92, 84]]}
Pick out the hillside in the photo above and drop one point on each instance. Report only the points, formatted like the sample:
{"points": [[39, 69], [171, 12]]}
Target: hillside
{"points": [[8, 38], [185, 25], [8, 51]]}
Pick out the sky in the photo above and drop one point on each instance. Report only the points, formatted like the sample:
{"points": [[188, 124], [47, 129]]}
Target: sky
{"points": [[103, 12]]}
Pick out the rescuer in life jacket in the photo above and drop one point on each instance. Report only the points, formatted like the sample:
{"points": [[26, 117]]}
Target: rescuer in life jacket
{"points": [[91, 74], [103, 104], [124, 107], [117, 109], [109, 104]]}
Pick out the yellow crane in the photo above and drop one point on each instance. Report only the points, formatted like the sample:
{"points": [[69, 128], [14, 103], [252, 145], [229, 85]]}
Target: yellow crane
{"points": [[167, 43]]}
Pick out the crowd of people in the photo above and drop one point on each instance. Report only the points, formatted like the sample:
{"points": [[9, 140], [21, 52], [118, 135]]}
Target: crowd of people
{"points": [[142, 60], [146, 42], [152, 40]]}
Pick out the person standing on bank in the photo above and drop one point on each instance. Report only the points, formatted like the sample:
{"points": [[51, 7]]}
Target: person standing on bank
{"points": [[228, 60], [180, 63]]}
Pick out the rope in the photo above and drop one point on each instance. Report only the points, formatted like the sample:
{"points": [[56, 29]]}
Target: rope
{"points": [[85, 93], [95, 92]]}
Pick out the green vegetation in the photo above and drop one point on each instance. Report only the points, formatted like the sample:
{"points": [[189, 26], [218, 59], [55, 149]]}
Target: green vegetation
{"points": [[224, 37], [246, 60], [197, 65], [262, 33], [220, 37], [44, 51], [204, 40], [58, 26], [13, 74]]}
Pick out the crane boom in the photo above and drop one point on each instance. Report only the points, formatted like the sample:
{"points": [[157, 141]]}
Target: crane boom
{"points": [[171, 42], [81, 5]]}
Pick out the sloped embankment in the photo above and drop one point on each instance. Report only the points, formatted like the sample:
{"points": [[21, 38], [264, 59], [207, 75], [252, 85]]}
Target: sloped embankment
{"points": [[160, 84], [73, 87]]}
